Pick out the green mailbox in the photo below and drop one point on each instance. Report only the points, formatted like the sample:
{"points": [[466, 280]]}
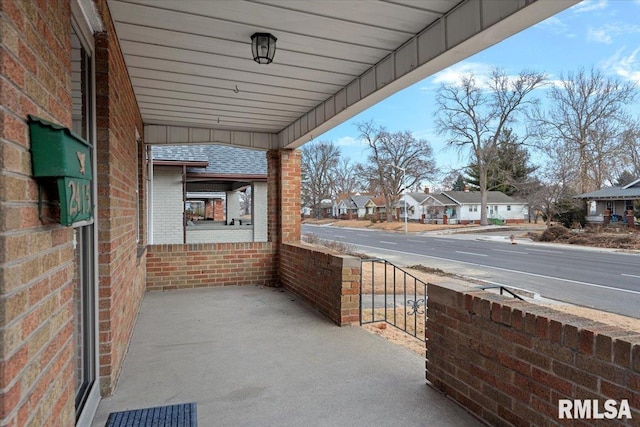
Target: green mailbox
{"points": [[58, 153]]}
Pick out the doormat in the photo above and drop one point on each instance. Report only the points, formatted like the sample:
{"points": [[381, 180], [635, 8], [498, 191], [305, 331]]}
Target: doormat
{"points": [[182, 415]]}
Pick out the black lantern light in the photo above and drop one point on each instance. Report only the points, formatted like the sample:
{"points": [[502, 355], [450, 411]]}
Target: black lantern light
{"points": [[263, 47]]}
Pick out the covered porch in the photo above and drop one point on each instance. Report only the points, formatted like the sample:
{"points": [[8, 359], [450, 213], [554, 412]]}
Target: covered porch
{"points": [[130, 76], [254, 355]]}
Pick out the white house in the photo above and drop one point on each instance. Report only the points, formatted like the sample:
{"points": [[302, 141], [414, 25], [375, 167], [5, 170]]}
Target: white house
{"points": [[414, 205], [500, 207], [355, 206], [462, 207]]}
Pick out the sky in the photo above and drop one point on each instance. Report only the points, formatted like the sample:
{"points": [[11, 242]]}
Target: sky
{"points": [[603, 34]]}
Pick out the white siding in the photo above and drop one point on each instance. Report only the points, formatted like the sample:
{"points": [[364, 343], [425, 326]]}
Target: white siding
{"points": [[233, 206], [259, 214], [167, 205], [223, 234], [518, 211]]}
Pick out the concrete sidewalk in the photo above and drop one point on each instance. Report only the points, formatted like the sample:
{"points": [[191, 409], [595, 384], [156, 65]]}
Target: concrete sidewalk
{"points": [[253, 356]]}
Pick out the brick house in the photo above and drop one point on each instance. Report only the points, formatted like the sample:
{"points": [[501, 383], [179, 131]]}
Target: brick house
{"points": [[118, 78]]}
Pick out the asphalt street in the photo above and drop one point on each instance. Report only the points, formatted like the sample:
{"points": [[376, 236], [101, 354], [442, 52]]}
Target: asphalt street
{"points": [[597, 278]]}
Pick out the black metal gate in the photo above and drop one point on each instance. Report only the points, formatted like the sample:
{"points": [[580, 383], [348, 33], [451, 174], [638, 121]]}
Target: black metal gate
{"points": [[390, 294]]}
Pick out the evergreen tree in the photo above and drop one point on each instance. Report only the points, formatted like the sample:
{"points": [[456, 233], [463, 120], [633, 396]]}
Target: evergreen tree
{"points": [[459, 183], [510, 169]]}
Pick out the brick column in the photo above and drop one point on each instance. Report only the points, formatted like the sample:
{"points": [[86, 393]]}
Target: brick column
{"points": [[283, 181]]}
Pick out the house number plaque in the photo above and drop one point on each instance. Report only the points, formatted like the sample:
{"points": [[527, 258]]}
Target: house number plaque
{"points": [[77, 205]]}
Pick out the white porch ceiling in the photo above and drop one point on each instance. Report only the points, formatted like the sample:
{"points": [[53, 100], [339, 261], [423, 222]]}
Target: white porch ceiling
{"points": [[195, 81]]}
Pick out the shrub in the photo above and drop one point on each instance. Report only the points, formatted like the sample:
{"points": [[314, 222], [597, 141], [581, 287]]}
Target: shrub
{"points": [[555, 232], [570, 212]]}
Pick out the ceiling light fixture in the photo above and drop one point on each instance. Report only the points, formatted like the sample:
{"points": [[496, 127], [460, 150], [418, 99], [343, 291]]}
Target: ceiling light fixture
{"points": [[263, 47]]}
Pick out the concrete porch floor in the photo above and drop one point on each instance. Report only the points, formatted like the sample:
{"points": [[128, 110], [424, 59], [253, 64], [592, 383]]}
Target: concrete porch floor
{"points": [[254, 356]]}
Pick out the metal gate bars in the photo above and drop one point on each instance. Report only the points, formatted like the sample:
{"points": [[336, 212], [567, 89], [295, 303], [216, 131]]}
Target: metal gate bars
{"points": [[390, 294]]}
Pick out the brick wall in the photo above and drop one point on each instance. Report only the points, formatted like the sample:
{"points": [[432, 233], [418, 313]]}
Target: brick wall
{"points": [[36, 257], [210, 264], [214, 209], [167, 205], [510, 361], [121, 270], [329, 282]]}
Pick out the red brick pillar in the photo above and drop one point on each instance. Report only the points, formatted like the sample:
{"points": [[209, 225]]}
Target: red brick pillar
{"points": [[283, 183], [218, 210]]}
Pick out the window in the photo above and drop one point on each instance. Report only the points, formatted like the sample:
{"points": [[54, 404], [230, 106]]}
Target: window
{"points": [[84, 283], [470, 208], [508, 207]]}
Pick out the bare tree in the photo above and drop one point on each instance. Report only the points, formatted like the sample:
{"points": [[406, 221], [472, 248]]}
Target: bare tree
{"points": [[246, 201], [474, 116], [396, 161], [631, 150], [587, 116], [319, 161], [346, 179], [558, 182]]}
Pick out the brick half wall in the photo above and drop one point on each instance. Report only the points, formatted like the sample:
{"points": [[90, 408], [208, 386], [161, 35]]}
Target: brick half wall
{"points": [[329, 282], [177, 266], [509, 362]]}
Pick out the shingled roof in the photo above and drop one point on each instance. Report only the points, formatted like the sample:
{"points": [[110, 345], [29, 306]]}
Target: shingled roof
{"points": [[223, 159], [629, 191], [472, 197]]}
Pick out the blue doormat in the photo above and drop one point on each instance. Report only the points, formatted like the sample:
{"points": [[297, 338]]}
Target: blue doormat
{"points": [[183, 415]]}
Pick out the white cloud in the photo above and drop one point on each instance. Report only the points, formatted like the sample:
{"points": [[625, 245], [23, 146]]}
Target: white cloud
{"points": [[590, 6], [625, 66], [607, 32], [554, 82], [454, 74], [599, 35], [349, 141], [554, 24], [426, 134]]}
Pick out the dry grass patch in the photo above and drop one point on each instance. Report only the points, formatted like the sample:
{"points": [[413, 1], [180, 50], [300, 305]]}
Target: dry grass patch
{"points": [[397, 337], [415, 326], [373, 280]]}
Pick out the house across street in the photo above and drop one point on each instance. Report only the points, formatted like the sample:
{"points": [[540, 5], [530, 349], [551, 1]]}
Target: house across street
{"points": [[446, 207]]}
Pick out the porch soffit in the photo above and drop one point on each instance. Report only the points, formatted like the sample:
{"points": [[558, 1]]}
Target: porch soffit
{"points": [[195, 81]]}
